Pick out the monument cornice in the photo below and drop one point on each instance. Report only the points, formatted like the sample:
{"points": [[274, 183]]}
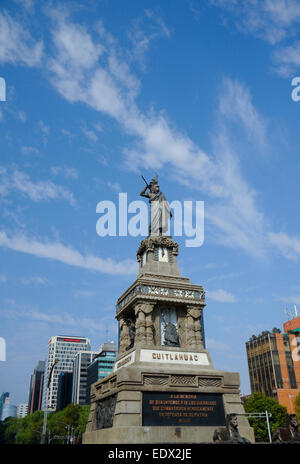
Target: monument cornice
{"points": [[168, 291]]}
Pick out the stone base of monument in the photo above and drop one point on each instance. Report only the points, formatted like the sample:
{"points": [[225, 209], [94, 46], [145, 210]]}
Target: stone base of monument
{"points": [[172, 395]]}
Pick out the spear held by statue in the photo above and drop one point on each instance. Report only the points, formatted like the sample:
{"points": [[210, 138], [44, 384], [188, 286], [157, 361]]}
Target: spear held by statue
{"points": [[146, 182]]}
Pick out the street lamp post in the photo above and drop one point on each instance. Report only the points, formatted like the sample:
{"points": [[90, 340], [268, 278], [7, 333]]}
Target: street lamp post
{"points": [[43, 436], [69, 432], [265, 415]]}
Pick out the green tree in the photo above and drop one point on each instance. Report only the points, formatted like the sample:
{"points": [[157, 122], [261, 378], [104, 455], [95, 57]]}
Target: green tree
{"points": [[60, 426], [12, 426], [80, 429], [71, 421], [2, 432], [297, 405], [257, 402], [30, 428]]}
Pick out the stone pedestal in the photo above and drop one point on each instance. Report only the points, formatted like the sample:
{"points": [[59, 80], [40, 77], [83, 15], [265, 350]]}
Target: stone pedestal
{"points": [[164, 388]]}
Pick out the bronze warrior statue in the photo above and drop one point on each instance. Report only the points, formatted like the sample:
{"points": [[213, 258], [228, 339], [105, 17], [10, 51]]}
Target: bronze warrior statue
{"points": [[159, 208]]}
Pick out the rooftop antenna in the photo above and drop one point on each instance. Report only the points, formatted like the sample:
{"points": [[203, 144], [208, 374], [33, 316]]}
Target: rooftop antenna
{"points": [[296, 310], [287, 313]]}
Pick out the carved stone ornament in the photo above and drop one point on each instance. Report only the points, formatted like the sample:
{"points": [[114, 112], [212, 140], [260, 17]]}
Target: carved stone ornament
{"points": [[147, 308], [160, 241], [194, 312], [105, 412], [149, 290]]}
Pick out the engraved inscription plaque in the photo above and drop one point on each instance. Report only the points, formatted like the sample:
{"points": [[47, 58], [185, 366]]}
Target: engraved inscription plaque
{"points": [[183, 409]]}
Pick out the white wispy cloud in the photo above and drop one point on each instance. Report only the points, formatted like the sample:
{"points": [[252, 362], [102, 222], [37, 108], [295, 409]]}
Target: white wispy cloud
{"points": [[29, 150], [220, 295], [217, 345], [229, 275], [11, 178], [236, 104], [144, 31], [90, 134], [271, 20], [67, 171], [288, 245], [293, 299], [45, 130], [67, 255], [287, 59], [34, 280], [27, 4], [159, 144], [63, 319], [84, 293], [114, 186], [17, 45]]}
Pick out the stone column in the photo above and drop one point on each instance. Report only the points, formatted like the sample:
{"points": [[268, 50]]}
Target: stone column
{"points": [[198, 332], [140, 326], [124, 335], [144, 324], [148, 310]]}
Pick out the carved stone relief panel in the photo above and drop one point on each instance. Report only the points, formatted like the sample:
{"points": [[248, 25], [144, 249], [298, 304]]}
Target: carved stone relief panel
{"points": [[105, 411]]}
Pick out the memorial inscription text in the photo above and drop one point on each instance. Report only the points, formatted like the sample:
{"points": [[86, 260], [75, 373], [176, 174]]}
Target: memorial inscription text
{"points": [[181, 409]]}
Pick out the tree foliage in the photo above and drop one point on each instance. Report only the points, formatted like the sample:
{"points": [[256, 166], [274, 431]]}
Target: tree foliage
{"points": [[258, 403], [297, 405], [62, 426]]}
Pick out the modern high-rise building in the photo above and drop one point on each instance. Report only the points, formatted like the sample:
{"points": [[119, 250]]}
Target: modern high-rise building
{"points": [[274, 363], [64, 391], [61, 348], [81, 362], [36, 388], [102, 365], [22, 410], [2, 401], [8, 409]]}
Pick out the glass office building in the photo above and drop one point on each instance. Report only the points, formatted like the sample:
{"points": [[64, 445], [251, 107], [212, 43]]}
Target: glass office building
{"points": [[7, 409], [102, 365], [80, 365], [64, 390], [62, 348], [274, 367], [2, 401], [36, 388]]}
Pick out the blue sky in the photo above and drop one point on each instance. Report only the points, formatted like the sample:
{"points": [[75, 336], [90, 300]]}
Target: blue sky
{"points": [[101, 92]]}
